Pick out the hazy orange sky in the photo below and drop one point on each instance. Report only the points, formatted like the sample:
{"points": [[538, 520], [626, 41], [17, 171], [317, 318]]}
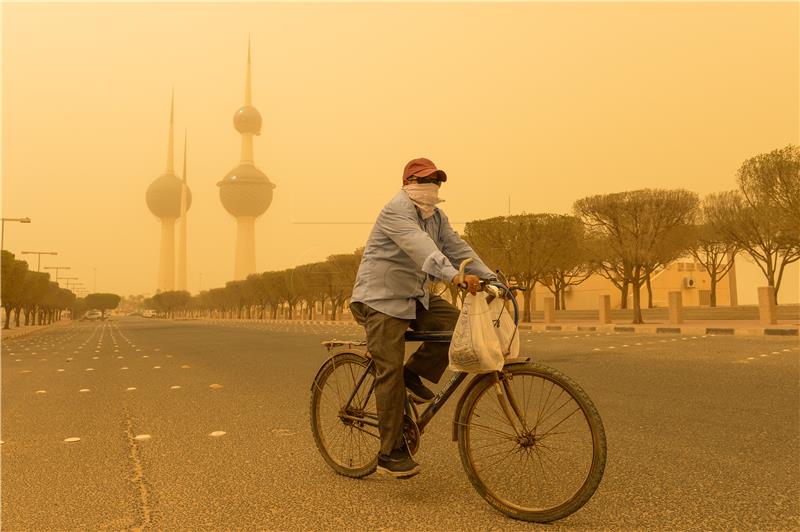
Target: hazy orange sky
{"points": [[545, 102]]}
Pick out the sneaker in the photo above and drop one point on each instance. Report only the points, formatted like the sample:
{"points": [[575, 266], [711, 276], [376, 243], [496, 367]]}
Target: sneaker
{"points": [[418, 391], [398, 464]]}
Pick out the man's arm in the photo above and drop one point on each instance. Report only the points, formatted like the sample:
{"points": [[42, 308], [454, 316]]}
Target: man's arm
{"points": [[457, 250], [405, 231]]}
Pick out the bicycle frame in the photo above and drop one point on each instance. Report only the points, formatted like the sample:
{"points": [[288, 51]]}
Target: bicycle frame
{"points": [[421, 420], [505, 397]]}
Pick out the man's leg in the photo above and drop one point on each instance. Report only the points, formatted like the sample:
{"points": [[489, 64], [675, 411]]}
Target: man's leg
{"points": [[386, 344], [430, 360]]}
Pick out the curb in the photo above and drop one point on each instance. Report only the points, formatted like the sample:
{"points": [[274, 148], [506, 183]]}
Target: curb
{"points": [[661, 329]]}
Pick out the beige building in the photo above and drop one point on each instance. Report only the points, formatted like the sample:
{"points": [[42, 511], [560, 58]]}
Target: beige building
{"points": [[685, 275]]}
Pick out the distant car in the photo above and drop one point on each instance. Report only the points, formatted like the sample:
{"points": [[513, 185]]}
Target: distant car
{"points": [[94, 314], [149, 313]]}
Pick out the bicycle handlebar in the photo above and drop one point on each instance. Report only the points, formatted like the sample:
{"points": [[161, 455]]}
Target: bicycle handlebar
{"points": [[487, 282]]}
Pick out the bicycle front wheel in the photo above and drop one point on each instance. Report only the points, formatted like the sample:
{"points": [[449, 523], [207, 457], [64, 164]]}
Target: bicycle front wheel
{"points": [[346, 433], [550, 462]]}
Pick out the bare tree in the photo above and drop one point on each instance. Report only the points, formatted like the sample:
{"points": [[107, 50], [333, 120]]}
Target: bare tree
{"points": [[774, 179], [754, 228], [634, 225], [712, 250]]}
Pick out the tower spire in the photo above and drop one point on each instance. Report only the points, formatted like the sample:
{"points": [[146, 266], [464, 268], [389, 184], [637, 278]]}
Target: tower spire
{"points": [[170, 147], [248, 86]]}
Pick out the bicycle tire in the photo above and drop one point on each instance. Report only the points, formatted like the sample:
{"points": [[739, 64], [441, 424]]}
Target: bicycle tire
{"points": [[539, 513], [336, 461]]}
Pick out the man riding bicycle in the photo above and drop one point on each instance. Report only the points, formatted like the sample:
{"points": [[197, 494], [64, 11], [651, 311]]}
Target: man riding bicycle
{"points": [[411, 244]]}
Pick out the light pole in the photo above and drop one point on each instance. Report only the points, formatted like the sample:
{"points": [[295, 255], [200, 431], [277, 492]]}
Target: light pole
{"points": [[56, 268], [40, 253], [68, 279], [25, 220]]}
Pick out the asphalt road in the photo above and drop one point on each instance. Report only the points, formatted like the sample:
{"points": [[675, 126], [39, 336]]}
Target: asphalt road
{"points": [[703, 433]]}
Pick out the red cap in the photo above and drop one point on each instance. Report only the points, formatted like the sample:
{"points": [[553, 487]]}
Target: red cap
{"points": [[421, 167]]}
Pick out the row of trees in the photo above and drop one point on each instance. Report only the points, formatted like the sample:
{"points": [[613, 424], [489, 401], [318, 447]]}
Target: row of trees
{"points": [[626, 237], [292, 293], [39, 300], [31, 294]]}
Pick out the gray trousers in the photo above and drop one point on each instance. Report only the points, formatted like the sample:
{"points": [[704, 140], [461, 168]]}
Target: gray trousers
{"points": [[386, 344]]}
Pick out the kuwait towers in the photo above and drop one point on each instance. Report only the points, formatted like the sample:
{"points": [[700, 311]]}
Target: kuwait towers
{"points": [[169, 198], [246, 192]]}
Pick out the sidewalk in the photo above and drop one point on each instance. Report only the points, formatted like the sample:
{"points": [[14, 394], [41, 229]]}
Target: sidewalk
{"points": [[22, 330], [694, 327]]}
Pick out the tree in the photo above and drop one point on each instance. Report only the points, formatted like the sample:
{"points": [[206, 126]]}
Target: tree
{"points": [[754, 228], [13, 279], [524, 247], [634, 226], [102, 301], [712, 250], [171, 300], [774, 179], [569, 264]]}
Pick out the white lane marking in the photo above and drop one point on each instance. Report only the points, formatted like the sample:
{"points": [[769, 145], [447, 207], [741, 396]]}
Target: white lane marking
{"points": [[130, 389], [59, 369], [751, 358], [145, 356], [84, 390], [776, 352], [763, 355], [596, 349], [186, 366], [25, 371], [215, 386], [120, 356], [156, 367], [612, 347], [89, 369], [95, 358], [218, 433], [41, 391], [71, 440], [624, 345], [174, 387], [123, 368], [169, 356], [18, 360], [142, 437]]}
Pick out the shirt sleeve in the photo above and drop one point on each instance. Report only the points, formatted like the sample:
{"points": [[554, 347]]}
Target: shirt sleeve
{"points": [[405, 231], [457, 250]]}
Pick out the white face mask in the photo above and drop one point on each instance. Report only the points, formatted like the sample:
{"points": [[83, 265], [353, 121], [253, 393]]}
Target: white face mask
{"points": [[424, 195]]}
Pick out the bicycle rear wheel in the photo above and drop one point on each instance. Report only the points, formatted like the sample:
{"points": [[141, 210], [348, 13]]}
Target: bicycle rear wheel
{"points": [[551, 465], [346, 436]]}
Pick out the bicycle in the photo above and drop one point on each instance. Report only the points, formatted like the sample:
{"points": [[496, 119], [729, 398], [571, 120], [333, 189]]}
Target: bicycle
{"points": [[503, 420]]}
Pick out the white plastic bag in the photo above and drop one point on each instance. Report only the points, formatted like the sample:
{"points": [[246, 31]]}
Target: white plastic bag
{"points": [[504, 326], [475, 347]]}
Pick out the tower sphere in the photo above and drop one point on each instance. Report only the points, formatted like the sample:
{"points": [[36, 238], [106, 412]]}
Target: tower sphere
{"points": [[247, 120], [245, 191], [164, 196]]}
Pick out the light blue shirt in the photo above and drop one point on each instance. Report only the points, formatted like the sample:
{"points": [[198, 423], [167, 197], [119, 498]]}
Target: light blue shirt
{"points": [[403, 252]]}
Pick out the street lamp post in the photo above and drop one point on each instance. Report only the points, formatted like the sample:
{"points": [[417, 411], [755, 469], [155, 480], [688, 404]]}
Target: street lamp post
{"points": [[25, 220], [57, 268], [68, 279], [40, 253]]}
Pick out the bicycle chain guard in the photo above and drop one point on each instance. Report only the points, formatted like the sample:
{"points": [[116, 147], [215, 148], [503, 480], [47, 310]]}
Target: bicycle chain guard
{"points": [[411, 434]]}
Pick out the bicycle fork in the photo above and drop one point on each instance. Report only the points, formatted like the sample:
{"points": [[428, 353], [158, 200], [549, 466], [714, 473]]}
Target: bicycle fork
{"points": [[508, 403]]}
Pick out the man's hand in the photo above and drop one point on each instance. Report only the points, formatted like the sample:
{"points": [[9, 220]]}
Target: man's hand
{"points": [[473, 283]]}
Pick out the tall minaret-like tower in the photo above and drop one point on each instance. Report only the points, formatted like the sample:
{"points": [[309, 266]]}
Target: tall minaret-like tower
{"points": [[181, 273], [246, 192], [164, 200]]}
